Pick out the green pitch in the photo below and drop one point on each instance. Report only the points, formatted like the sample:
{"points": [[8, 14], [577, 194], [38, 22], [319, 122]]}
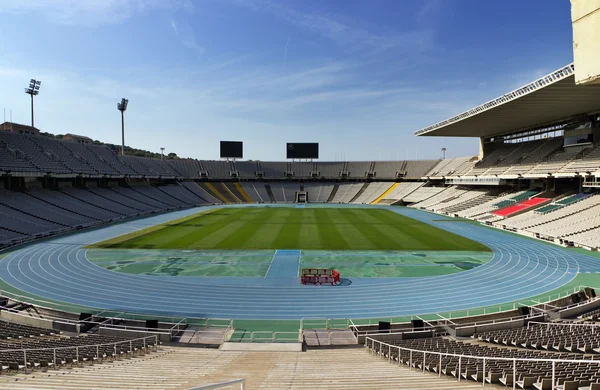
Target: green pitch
{"points": [[295, 228]]}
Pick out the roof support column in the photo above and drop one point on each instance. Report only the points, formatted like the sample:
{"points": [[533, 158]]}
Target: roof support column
{"points": [[481, 147]]}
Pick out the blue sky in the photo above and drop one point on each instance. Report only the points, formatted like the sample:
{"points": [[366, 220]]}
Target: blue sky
{"points": [[357, 76]]}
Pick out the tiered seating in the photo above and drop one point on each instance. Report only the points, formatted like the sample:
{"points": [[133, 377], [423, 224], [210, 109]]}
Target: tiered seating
{"points": [[346, 192], [528, 220], [135, 164], [133, 199], [484, 208], [358, 169], [330, 169], [422, 195], [8, 237], [372, 192], [521, 207], [324, 193], [39, 209], [445, 195], [529, 374], [11, 330], [289, 191], [27, 224], [590, 238], [554, 163], [402, 189], [500, 152], [388, 169], [561, 203], [520, 153], [41, 355], [256, 191], [109, 157], [59, 150], [525, 164], [515, 199], [66, 202], [14, 160], [589, 163], [465, 200], [188, 167], [550, 337], [84, 154], [43, 160], [302, 169], [416, 169], [181, 193], [464, 168], [273, 169], [548, 208], [580, 222], [200, 192], [447, 167]]}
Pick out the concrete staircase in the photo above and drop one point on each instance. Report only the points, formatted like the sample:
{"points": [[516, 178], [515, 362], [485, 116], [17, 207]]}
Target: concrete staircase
{"points": [[184, 368]]}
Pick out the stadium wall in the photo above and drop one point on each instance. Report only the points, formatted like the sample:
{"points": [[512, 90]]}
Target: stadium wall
{"points": [[585, 15]]}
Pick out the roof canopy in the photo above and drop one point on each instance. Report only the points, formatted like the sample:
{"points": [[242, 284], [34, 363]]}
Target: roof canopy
{"points": [[550, 99]]}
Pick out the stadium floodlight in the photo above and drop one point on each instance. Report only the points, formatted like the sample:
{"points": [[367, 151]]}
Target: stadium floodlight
{"points": [[122, 107], [162, 153], [33, 90], [443, 153]]}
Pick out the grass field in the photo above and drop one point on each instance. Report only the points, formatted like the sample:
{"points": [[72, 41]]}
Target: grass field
{"points": [[255, 263], [296, 228]]}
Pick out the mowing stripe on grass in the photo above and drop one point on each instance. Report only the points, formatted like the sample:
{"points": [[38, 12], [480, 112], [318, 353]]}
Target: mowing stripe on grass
{"points": [[350, 231], [292, 228]]}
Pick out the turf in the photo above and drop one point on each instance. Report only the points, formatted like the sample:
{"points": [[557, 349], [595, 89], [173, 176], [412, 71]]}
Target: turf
{"points": [[183, 262], [294, 228], [376, 264]]}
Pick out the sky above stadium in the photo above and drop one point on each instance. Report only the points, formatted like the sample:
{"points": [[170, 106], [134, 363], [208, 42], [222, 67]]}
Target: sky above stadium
{"points": [[359, 77]]}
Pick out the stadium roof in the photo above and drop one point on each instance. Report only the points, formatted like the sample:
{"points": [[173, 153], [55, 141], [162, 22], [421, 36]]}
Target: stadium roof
{"points": [[550, 99]]}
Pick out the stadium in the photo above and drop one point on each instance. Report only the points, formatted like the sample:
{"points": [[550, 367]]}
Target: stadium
{"points": [[122, 271]]}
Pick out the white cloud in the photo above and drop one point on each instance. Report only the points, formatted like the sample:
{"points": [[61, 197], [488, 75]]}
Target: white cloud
{"points": [[186, 35], [341, 30]]}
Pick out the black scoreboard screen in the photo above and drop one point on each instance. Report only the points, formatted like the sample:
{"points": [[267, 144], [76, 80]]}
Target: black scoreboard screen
{"points": [[302, 150], [232, 149]]}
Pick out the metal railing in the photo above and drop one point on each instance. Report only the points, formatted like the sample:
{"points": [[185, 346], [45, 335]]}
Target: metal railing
{"points": [[148, 341], [416, 355], [266, 336], [178, 322], [324, 323], [241, 382], [565, 325]]}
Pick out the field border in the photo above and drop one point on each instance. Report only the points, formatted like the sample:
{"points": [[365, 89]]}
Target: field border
{"points": [[128, 236]]}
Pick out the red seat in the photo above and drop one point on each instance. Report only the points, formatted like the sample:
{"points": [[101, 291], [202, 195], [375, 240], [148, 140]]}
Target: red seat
{"points": [[521, 206]]}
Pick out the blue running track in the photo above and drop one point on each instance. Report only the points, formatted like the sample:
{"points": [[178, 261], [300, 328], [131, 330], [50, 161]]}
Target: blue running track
{"points": [[520, 268]]}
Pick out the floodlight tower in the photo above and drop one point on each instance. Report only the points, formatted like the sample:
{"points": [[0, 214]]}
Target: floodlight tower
{"points": [[122, 107], [33, 90], [443, 153], [162, 153]]}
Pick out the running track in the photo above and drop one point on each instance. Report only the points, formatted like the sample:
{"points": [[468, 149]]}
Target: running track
{"points": [[520, 268]]}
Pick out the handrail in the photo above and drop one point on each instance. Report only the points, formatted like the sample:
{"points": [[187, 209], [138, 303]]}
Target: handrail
{"points": [[579, 304], [498, 321], [565, 324], [76, 348], [98, 311], [129, 341], [241, 382], [273, 337], [484, 360], [481, 357]]}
